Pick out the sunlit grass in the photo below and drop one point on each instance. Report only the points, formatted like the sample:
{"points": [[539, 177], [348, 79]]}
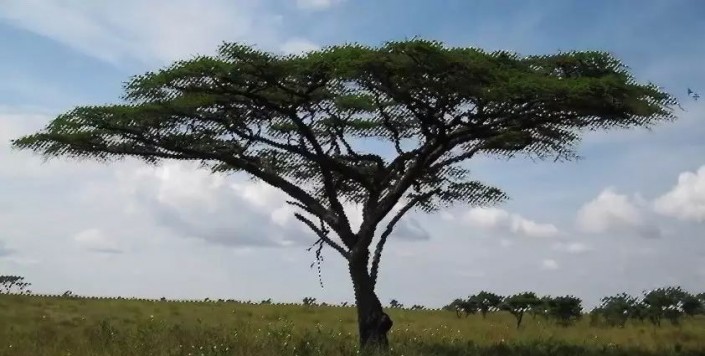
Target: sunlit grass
{"points": [[31, 325]]}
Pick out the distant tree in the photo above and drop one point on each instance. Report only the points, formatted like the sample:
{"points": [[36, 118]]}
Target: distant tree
{"points": [[395, 304], [417, 307], [69, 294], [266, 301], [565, 310], [692, 305], [541, 309], [303, 125], [462, 307], [13, 285], [640, 311], [485, 302], [519, 304], [664, 303], [618, 309], [701, 298], [309, 301]]}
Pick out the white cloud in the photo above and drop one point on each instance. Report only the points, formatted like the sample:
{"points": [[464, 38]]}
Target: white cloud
{"points": [[486, 218], [608, 211], [298, 46], [148, 31], [192, 202], [521, 225], [96, 240], [316, 4], [495, 218], [611, 212], [686, 200], [549, 264]]}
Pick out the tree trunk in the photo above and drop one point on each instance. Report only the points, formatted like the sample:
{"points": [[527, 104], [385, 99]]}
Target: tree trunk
{"points": [[519, 316], [373, 322]]}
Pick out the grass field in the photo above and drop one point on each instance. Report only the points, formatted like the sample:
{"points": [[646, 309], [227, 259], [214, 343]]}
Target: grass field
{"points": [[32, 325]]}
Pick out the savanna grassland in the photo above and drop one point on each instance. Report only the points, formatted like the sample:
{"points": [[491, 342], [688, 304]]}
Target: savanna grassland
{"points": [[34, 325]]}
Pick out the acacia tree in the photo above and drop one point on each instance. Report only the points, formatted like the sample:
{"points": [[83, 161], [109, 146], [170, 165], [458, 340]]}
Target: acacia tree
{"points": [[665, 303], [302, 124], [462, 306], [486, 301], [617, 309], [565, 310], [520, 303]]}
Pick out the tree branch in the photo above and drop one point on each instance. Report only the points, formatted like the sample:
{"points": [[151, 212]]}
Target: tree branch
{"points": [[322, 235], [390, 227]]}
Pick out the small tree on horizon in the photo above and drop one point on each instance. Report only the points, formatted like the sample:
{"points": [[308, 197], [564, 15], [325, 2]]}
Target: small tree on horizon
{"points": [[485, 302], [618, 309], [668, 303], [519, 304], [565, 310], [395, 304], [14, 285], [303, 125]]}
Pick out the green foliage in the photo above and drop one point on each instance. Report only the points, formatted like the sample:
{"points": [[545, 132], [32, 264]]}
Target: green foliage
{"points": [[485, 302], [462, 306], [294, 116], [693, 304], [665, 303], [618, 309], [518, 304], [565, 310]]}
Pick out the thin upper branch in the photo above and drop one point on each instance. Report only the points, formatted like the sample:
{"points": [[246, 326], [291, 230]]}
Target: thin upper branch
{"points": [[322, 235]]}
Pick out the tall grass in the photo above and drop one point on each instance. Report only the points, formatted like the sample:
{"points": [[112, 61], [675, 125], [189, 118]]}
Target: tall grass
{"points": [[31, 325]]}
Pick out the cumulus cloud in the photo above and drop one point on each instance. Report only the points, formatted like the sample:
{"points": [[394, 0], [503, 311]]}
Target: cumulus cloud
{"points": [[147, 31], [686, 200], [96, 240], [486, 218], [495, 218], [614, 212], [316, 4], [192, 202]]}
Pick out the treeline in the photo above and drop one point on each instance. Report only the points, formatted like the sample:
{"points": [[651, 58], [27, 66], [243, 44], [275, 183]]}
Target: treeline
{"points": [[670, 303], [655, 306]]}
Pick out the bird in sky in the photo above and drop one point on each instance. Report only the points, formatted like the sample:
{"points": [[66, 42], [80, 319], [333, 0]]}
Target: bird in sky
{"points": [[693, 94]]}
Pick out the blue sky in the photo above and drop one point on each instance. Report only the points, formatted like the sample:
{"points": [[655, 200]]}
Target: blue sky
{"points": [[619, 220]]}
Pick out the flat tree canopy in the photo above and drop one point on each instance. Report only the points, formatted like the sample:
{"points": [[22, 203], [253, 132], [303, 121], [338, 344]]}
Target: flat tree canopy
{"points": [[296, 123]]}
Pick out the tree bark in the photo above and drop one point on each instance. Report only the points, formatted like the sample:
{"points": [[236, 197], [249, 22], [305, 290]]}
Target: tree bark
{"points": [[373, 322]]}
